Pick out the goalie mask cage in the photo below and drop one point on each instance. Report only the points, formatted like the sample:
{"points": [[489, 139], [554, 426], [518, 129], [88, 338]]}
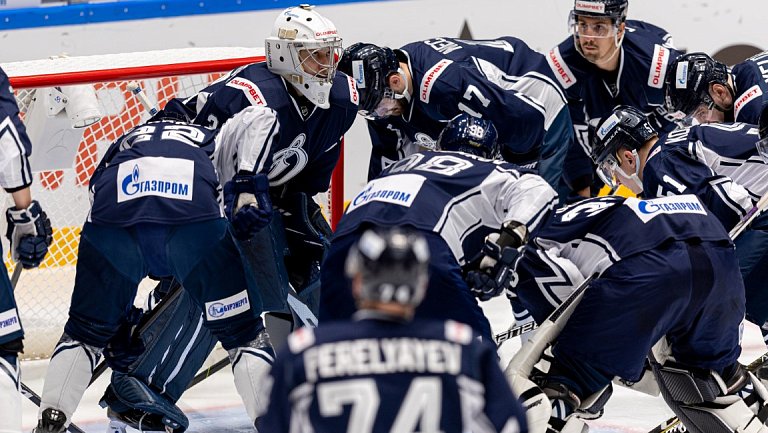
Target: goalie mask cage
{"points": [[55, 95]]}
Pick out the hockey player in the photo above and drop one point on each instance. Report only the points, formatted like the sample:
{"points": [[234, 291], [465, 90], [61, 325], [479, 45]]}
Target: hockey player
{"points": [[701, 88], [393, 372], [666, 267], [409, 94], [297, 149], [156, 211], [455, 197], [717, 162], [609, 61], [30, 234]]}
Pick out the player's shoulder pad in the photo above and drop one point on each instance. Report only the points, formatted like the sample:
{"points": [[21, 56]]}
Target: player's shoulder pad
{"points": [[344, 92], [649, 50], [564, 61], [254, 81], [431, 76], [458, 332], [301, 339]]}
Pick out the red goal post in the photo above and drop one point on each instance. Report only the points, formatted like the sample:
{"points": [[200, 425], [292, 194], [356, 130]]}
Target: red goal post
{"points": [[58, 93]]}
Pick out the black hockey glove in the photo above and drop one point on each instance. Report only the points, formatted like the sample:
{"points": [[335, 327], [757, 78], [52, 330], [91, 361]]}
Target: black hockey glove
{"points": [[30, 233], [124, 348], [497, 270], [247, 204]]}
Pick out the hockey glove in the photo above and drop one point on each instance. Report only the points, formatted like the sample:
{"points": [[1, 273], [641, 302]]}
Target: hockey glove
{"points": [[247, 204], [497, 269], [30, 233], [124, 348]]}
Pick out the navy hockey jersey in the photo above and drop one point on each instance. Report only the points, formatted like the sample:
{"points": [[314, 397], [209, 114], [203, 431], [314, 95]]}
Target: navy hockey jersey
{"points": [[373, 376], [159, 172], [644, 55], [307, 145], [717, 162], [461, 197], [750, 78], [16, 147], [502, 80], [598, 232]]}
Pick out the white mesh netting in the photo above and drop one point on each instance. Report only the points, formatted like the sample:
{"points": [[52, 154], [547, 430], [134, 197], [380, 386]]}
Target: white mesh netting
{"points": [[43, 294]]}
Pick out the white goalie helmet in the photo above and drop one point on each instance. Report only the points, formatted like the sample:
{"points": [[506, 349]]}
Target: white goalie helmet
{"points": [[304, 48]]}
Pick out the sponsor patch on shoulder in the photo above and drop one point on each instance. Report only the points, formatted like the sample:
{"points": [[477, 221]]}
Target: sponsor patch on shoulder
{"points": [[560, 68], [658, 69], [227, 307], [250, 90], [354, 97], [430, 77], [647, 210], [400, 189], [743, 99]]}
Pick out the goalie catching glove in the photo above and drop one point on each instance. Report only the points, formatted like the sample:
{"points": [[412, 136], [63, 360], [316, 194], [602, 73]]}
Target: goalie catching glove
{"points": [[501, 251], [30, 234], [247, 204]]}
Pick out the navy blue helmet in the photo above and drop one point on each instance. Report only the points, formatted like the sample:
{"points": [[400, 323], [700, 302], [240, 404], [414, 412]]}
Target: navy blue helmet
{"points": [[370, 66], [393, 266], [469, 134], [688, 79]]}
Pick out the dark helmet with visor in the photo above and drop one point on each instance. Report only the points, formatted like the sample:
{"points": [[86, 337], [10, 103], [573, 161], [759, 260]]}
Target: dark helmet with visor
{"points": [[370, 66], [688, 80], [627, 127]]}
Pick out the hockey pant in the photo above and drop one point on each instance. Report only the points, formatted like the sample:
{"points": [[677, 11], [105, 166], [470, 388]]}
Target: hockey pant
{"points": [[179, 346]]}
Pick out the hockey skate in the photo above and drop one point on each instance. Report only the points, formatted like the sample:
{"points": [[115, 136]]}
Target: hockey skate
{"points": [[52, 421]]}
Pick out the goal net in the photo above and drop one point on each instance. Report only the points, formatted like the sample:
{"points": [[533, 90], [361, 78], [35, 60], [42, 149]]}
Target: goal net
{"points": [[74, 108]]}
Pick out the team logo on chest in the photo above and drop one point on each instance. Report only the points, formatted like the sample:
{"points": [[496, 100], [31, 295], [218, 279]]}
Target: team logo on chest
{"points": [[289, 162]]}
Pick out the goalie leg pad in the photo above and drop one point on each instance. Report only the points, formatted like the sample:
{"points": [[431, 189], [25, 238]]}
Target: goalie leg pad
{"points": [[141, 407], [250, 366], [10, 410], [68, 375], [707, 402]]}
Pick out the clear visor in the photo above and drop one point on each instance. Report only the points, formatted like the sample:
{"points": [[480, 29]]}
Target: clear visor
{"points": [[592, 28], [319, 59], [607, 170], [388, 106], [762, 149]]}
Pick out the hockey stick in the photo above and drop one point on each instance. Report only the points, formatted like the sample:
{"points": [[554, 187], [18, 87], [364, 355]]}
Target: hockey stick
{"points": [[513, 332], [749, 217], [138, 92], [25, 390], [302, 311], [673, 424], [522, 363]]}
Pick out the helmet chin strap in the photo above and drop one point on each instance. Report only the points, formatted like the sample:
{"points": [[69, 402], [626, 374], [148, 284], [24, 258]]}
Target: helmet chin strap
{"points": [[406, 93]]}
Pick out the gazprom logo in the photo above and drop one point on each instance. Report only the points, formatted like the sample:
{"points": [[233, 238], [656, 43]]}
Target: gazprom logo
{"points": [[358, 73], [155, 176], [227, 307], [646, 210], [400, 189], [681, 75], [608, 125], [9, 322]]}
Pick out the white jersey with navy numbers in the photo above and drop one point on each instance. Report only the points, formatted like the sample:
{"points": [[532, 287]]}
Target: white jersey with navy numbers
{"points": [[15, 147], [717, 162], [597, 233], [750, 79], [461, 197]]}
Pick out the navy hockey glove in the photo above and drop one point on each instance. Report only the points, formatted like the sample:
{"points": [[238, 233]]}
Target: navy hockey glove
{"points": [[30, 233], [124, 348], [247, 204], [497, 270]]}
